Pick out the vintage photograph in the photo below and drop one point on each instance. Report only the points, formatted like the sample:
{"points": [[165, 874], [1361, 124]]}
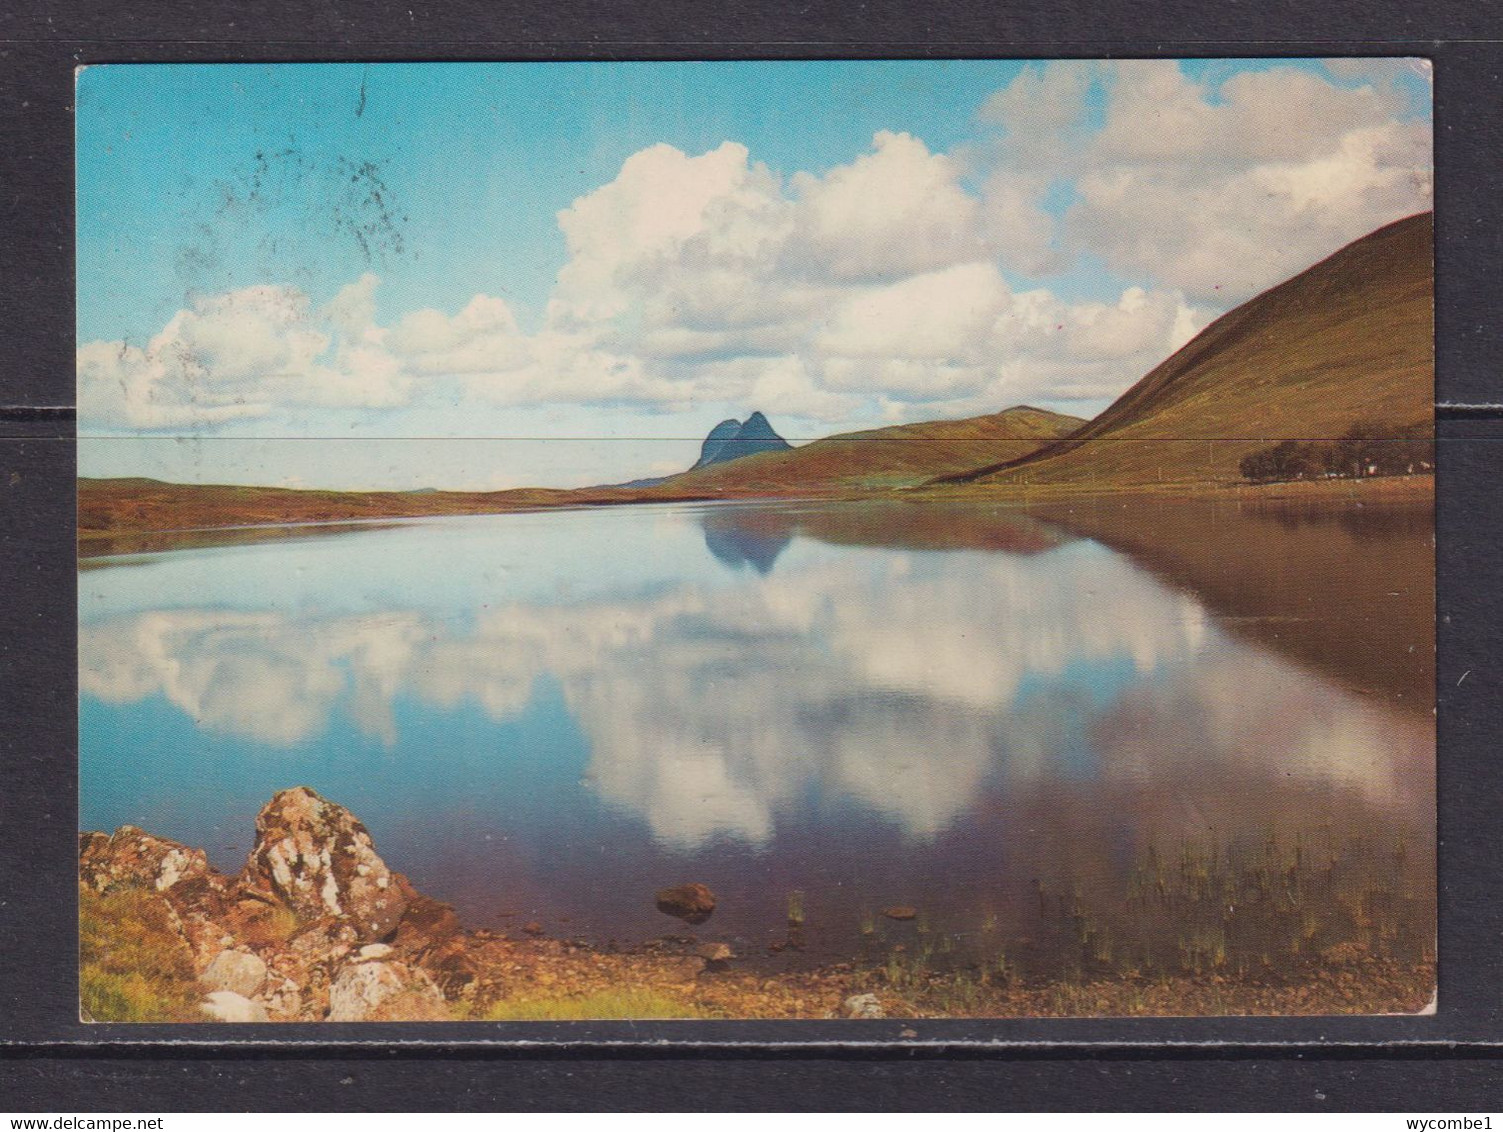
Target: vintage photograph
{"points": [[755, 540]]}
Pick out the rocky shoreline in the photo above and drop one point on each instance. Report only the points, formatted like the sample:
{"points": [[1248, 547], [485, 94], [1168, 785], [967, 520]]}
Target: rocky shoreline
{"points": [[317, 928]]}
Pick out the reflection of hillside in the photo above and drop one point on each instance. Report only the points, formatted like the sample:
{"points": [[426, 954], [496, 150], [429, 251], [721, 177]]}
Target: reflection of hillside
{"points": [[152, 542], [749, 533], [1347, 590]]}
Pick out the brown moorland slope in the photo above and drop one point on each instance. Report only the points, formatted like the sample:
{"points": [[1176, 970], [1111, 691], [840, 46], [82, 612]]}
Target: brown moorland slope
{"points": [[877, 459], [111, 506], [1348, 341]]}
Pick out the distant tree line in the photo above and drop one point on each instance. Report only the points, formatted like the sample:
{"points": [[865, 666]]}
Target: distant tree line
{"points": [[1365, 450]]}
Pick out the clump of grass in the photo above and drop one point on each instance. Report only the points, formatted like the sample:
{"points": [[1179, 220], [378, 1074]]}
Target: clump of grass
{"points": [[961, 994], [908, 969], [133, 967], [1274, 903], [1271, 907], [1000, 971], [275, 926], [796, 908], [617, 1003]]}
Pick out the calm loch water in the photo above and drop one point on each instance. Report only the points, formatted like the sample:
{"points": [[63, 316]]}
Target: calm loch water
{"points": [[996, 720]]}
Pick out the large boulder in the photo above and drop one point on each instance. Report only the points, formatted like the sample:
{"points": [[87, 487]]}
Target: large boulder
{"points": [[133, 856], [380, 990], [227, 1006], [319, 860], [240, 971]]}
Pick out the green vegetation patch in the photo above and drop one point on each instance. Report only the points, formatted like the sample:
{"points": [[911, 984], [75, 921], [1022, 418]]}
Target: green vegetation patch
{"points": [[133, 966]]}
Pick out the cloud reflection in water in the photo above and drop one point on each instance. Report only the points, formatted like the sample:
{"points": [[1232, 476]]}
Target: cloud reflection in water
{"points": [[909, 681]]}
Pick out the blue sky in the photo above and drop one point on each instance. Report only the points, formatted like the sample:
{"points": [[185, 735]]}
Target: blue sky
{"points": [[592, 250], [165, 151]]}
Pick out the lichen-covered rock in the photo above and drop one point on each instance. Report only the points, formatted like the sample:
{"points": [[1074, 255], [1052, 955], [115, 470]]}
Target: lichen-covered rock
{"points": [[426, 925], [133, 856], [430, 936], [238, 971], [326, 937], [381, 990], [193, 893], [309, 959], [319, 860], [227, 1006], [285, 1002], [314, 909], [862, 1006]]}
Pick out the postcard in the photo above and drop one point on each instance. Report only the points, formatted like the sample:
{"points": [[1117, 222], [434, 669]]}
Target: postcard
{"points": [[755, 540]]}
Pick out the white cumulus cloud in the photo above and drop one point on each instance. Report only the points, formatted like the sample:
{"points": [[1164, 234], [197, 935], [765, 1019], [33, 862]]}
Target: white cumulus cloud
{"points": [[1102, 215]]}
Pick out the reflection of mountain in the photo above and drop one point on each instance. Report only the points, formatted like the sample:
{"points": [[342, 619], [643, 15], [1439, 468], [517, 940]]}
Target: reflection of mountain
{"points": [[752, 539], [912, 685]]}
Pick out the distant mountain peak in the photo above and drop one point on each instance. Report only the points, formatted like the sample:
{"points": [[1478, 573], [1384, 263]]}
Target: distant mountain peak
{"points": [[732, 439]]}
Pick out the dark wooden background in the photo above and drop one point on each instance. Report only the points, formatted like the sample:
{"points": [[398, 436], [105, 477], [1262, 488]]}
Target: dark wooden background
{"points": [[1447, 1063]]}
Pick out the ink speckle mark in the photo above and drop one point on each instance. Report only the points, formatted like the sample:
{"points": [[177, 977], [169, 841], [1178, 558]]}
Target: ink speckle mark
{"points": [[295, 197]]}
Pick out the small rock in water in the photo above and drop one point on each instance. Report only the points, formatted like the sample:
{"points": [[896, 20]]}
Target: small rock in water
{"points": [[532, 927], [714, 952], [862, 1006], [376, 951], [227, 1006], [691, 903], [683, 969], [900, 912]]}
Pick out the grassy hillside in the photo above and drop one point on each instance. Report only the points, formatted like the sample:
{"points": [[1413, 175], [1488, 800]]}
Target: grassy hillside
{"points": [[1347, 341], [900, 456]]}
